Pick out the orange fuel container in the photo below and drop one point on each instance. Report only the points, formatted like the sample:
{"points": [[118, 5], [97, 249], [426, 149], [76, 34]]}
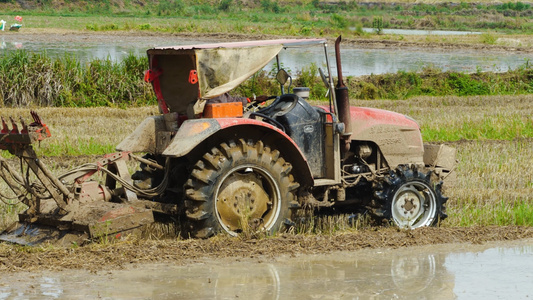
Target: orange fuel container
{"points": [[223, 110]]}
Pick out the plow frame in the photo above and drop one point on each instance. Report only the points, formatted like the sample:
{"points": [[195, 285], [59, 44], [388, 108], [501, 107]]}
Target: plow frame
{"points": [[110, 208]]}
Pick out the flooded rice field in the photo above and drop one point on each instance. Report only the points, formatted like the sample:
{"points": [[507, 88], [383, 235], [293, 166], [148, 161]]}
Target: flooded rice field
{"points": [[356, 61], [496, 270]]}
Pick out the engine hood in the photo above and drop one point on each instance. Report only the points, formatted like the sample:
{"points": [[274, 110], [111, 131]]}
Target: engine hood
{"points": [[398, 136], [369, 119]]}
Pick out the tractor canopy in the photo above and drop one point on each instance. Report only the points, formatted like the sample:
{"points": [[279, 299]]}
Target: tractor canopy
{"points": [[184, 75]]}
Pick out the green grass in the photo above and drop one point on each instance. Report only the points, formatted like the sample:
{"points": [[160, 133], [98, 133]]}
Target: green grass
{"points": [[271, 17], [433, 82], [494, 127], [504, 213], [75, 147], [494, 184]]}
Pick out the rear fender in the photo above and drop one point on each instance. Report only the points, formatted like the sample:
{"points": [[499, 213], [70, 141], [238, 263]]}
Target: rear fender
{"points": [[143, 139], [198, 136]]}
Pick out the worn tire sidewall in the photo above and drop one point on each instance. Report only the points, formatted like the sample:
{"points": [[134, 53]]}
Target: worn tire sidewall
{"points": [[251, 158]]}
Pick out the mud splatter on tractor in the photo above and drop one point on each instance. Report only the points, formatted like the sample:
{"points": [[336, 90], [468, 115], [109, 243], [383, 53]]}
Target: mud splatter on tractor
{"points": [[218, 170]]}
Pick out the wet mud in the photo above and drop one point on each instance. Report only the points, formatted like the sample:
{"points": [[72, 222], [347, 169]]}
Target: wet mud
{"points": [[123, 253], [463, 271]]}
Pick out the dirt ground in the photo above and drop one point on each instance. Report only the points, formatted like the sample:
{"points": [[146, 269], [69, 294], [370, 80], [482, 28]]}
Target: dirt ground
{"points": [[120, 254]]}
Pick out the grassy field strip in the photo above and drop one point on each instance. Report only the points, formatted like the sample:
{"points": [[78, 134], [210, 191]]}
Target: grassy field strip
{"points": [[494, 186], [92, 131], [84, 131], [453, 118]]}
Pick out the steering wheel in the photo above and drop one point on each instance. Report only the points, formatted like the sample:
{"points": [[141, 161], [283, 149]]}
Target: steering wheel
{"points": [[259, 104], [280, 106], [267, 119]]}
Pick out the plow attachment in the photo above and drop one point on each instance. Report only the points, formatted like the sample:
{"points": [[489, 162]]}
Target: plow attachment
{"points": [[68, 208]]}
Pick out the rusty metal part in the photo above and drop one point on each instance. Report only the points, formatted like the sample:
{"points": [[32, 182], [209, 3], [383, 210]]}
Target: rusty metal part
{"points": [[13, 139], [147, 162], [91, 191], [242, 198], [343, 99], [84, 207], [90, 221]]}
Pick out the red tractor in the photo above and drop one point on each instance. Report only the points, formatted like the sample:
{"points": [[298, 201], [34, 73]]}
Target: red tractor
{"points": [[220, 168]]}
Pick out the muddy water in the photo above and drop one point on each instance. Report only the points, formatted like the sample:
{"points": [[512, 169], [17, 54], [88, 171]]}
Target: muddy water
{"points": [[490, 271], [356, 62]]}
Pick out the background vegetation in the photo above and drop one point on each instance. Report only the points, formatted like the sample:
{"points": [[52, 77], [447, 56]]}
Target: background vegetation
{"points": [[289, 17], [35, 79]]}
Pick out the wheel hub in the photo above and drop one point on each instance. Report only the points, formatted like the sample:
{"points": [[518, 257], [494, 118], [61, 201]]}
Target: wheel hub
{"points": [[242, 201], [409, 205]]}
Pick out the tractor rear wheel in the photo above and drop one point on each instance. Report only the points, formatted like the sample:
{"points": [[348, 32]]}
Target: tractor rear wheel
{"points": [[239, 187], [412, 197]]}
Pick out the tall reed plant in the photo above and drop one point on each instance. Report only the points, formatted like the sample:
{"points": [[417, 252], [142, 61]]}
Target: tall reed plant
{"points": [[36, 79]]}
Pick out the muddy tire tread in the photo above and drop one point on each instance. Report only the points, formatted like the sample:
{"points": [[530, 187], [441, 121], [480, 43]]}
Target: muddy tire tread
{"points": [[200, 187], [404, 173]]}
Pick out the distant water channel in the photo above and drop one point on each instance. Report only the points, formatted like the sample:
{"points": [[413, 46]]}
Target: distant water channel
{"points": [[355, 61], [453, 271], [420, 32]]}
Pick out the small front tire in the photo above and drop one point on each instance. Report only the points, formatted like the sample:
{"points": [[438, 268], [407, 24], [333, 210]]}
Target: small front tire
{"points": [[411, 197]]}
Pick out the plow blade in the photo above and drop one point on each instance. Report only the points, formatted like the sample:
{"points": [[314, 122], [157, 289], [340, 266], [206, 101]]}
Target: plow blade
{"points": [[102, 220], [31, 234]]}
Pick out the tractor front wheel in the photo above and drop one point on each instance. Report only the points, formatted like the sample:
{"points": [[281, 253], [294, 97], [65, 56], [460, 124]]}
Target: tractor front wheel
{"points": [[412, 197], [239, 187]]}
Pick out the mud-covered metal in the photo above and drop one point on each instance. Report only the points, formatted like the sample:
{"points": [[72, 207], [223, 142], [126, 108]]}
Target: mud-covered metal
{"points": [[397, 136], [74, 207], [442, 159], [247, 197], [342, 98], [12, 139]]}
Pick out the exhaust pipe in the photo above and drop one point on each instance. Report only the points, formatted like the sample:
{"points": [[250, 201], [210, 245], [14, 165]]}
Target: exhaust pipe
{"points": [[343, 99]]}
